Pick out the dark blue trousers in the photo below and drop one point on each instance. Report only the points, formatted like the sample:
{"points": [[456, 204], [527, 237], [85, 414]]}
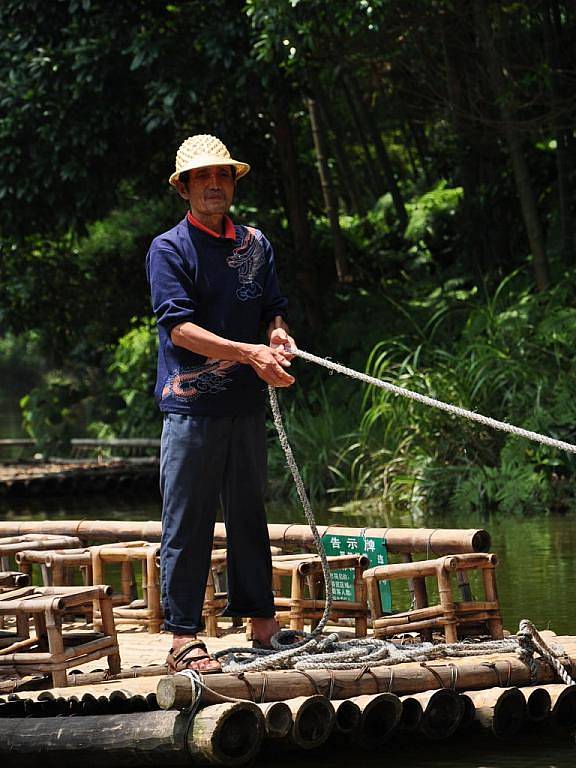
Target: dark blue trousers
{"points": [[206, 461]]}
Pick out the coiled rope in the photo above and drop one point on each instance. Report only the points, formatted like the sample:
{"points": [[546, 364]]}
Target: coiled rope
{"points": [[309, 651]]}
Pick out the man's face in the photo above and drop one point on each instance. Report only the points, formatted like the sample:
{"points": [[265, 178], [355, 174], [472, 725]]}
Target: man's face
{"points": [[209, 190]]}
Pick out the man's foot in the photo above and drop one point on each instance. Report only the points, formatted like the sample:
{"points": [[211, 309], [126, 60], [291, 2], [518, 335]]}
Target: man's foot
{"points": [[191, 653], [262, 631]]}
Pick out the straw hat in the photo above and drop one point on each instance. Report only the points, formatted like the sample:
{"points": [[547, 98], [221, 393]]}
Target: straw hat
{"points": [[202, 150]]}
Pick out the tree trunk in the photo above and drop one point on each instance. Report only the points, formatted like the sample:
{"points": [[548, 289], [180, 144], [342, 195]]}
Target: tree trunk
{"points": [[305, 270], [552, 44], [330, 203], [519, 165], [474, 219], [408, 140], [373, 177], [348, 183], [420, 144], [381, 153]]}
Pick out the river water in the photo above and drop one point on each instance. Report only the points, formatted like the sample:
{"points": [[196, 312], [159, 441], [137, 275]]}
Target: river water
{"points": [[536, 580]]}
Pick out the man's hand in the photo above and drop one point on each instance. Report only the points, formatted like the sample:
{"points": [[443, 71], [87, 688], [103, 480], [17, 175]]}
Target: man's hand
{"points": [[279, 338], [269, 364]]}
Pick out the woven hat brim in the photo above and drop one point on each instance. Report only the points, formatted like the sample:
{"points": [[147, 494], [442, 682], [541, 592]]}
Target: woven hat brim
{"points": [[202, 161]]}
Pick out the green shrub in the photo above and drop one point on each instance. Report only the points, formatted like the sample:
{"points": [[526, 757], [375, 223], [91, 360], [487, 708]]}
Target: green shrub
{"points": [[431, 210], [509, 356], [54, 411], [131, 374]]}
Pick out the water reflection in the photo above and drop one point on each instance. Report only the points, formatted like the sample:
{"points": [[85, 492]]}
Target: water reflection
{"points": [[478, 752]]}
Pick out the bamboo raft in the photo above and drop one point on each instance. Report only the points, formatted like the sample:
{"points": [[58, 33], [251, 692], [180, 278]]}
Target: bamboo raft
{"points": [[83, 476], [142, 716], [93, 466]]}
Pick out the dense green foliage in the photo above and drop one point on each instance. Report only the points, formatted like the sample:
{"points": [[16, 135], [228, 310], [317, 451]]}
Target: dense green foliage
{"points": [[413, 164]]}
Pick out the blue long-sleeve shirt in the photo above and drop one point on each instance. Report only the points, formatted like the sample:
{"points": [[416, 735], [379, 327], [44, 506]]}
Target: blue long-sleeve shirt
{"points": [[225, 284]]}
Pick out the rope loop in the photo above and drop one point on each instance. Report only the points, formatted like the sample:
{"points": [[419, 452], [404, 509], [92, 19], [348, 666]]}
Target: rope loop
{"points": [[531, 641]]}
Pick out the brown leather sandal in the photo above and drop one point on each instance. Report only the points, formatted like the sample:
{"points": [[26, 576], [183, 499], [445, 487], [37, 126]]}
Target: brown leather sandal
{"points": [[181, 660]]}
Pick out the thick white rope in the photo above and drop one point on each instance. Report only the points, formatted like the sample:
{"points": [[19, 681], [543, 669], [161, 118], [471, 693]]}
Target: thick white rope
{"points": [[487, 421], [531, 640], [313, 651], [332, 653], [303, 496]]}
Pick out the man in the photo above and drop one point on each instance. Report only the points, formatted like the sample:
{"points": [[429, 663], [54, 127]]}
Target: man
{"points": [[213, 285]]}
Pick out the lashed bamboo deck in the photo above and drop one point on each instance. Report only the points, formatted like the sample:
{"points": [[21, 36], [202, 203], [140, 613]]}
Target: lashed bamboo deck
{"points": [[122, 720], [34, 478]]}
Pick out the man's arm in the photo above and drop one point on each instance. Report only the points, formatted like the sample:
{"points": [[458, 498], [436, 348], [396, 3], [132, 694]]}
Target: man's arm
{"points": [[267, 362]]}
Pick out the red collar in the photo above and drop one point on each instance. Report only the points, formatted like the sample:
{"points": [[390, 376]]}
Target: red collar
{"points": [[229, 231]]}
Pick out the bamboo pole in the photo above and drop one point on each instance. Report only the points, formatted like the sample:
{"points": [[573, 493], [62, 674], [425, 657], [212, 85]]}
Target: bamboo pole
{"points": [[380, 715], [277, 719], [144, 738], [313, 722], [403, 679], [226, 734], [431, 541], [468, 712], [88, 678], [14, 579], [128, 688], [348, 716], [441, 713], [411, 715], [307, 566], [563, 714], [500, 710], [13, 544], [538, 703]]}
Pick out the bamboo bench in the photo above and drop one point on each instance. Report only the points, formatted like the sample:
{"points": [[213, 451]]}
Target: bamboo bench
{"points": [[58, 566], [146, 612], [49, 651], [11, 545], [10, 580], [450, 615], [307, 588]]}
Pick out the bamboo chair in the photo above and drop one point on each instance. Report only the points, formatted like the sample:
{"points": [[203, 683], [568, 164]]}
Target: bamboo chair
{"points": [[11, 545], [146, 612], [10, 580], [305, 603], [59, 568], [49, 650], [450, 615]]}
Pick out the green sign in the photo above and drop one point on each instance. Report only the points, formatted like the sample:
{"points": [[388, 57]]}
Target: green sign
{"points": [[343, 580]]}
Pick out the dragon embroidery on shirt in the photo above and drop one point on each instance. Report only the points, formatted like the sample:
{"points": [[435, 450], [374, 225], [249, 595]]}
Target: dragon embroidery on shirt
{"points": [[207, 379], [247, 258]]}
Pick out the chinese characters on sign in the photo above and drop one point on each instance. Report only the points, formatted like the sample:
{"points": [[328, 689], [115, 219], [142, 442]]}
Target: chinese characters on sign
{"points": [[343, 580]]}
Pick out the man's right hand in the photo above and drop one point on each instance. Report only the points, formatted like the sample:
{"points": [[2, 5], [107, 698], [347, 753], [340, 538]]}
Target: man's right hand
{"points": [[269, 364]]}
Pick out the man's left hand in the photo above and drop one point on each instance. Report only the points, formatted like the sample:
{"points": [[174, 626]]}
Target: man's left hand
{"points": [[279, 337]]}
